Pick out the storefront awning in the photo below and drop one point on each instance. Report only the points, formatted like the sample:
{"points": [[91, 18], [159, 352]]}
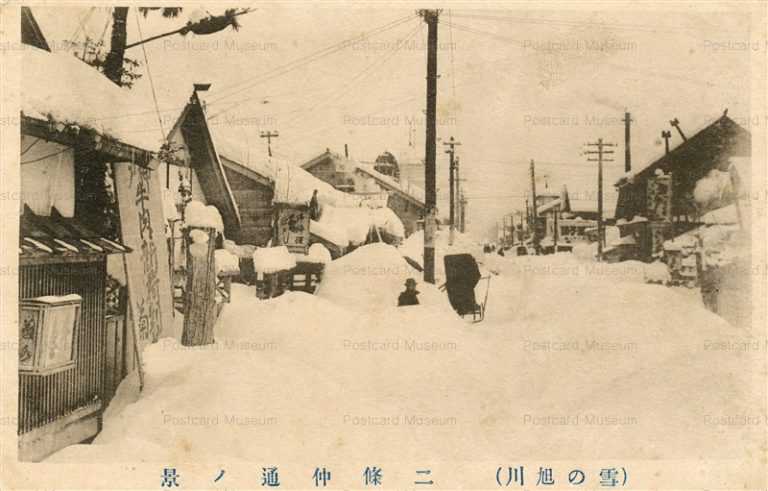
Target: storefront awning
{"points": [[58, 236]]}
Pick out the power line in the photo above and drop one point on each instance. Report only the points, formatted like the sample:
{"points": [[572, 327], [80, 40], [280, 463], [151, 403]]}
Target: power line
{"points": [[149, 74], [285, 69], [453, 70], [576, 23], [310, 58], [378, 63]]}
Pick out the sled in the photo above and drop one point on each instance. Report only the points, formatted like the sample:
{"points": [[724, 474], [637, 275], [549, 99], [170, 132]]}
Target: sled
{"points": [[461, 276]]}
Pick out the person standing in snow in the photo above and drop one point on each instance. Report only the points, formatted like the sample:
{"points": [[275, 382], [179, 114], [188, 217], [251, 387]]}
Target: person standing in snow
{"points": [[314, 207], [409, 296]]}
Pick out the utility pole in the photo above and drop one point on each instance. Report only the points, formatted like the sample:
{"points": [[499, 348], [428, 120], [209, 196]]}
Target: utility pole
{"points": [[459, 197], [627, 156], [269, 135], [451, 151], [527, 216], [666, 134], [430, 17], [600, 152], [676, 124], [534, 210]]}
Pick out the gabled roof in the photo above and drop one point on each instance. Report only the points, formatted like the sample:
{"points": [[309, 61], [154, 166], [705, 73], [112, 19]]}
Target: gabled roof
{"points": [[413, 193], [722, 131], [204, 159], [30, 31]]}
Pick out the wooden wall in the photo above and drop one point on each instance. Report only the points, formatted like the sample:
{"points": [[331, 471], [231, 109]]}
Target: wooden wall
{"points": [[254, 200], [408, 212], [43, 399]]}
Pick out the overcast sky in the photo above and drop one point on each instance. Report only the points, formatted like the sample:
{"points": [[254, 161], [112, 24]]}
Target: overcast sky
{"points": [[514, 85]]}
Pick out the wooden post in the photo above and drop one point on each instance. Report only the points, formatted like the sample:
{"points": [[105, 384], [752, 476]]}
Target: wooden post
{"points": [[200, 302], [430, 198]]}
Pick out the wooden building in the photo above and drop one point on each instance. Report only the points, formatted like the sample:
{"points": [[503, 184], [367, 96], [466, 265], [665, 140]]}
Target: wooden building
{"points": [[407, 201], [199, 166], [656, 202], [76, 159]]}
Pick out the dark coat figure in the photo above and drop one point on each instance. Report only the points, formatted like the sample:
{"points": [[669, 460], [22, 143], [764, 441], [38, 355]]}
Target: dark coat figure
{"points": [[410, 295], [314, 207]]}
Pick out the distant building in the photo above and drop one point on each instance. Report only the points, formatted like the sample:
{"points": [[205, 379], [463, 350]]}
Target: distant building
{"points": [[369, 182], [386, 163]]}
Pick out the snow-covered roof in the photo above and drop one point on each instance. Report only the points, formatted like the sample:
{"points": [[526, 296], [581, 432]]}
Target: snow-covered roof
{"points": [[270, 260], [292, 183], [548, 206], [343, 226], [402, 186], [60, 87]]}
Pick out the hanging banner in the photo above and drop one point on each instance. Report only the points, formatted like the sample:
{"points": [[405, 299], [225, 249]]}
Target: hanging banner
{"points": [[139, 195]]}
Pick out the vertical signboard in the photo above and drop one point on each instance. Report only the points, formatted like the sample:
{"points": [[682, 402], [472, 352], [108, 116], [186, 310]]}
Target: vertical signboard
{"points": [[292, 227], [139, 195]]}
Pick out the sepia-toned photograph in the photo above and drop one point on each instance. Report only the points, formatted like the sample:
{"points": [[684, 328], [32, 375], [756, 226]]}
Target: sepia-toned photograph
{"points": [[383, 245]]}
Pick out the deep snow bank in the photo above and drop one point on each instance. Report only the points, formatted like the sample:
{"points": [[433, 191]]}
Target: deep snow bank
{"points": [[371, 278]]}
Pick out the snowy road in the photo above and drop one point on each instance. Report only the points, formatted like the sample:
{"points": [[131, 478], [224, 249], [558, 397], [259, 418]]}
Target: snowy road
{"points": [[574, 358]]}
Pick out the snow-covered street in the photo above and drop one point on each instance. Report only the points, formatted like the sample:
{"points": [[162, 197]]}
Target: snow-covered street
{"points": [[552, 372]]}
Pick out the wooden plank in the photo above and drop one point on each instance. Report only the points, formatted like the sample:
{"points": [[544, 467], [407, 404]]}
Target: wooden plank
{"points": [[200, 302], [77, 426]]}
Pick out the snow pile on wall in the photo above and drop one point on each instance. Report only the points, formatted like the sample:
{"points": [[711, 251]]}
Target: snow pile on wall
{"points": [[351, 225], [726, 215], [269, 260], [712, 188], [244, 251], [327, 231], [85, 97], [197, 214], [318, 253], [657, 272], [226, 262], [371, 278]]}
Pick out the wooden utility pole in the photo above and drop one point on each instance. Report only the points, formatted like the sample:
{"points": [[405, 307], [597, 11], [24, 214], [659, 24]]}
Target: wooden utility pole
{"points": [[676, 124], [269, 135], [430, 17], [451, 151], [461, 202], [627, 155], [666, 134], [534, 208], [527, 216], [600, 152]]}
